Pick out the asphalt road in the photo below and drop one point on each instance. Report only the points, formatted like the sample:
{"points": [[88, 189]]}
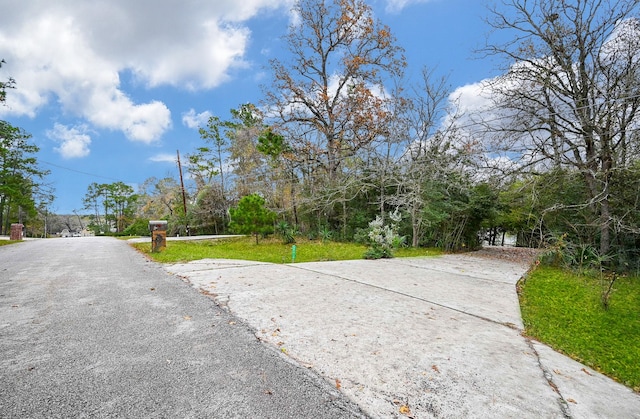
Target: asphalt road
{"points": [[90, 328]]}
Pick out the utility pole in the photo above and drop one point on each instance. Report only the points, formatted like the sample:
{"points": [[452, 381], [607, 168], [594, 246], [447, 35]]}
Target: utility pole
{"points": [[184, 198]]}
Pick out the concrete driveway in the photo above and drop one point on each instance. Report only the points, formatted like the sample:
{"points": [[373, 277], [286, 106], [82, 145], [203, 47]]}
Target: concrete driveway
{"points": [[423, 338]]}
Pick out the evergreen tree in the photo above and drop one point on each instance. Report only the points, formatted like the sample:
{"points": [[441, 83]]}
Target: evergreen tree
{"points": [[251, 217]]}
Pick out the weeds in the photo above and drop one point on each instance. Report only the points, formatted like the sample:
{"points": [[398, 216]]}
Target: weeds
{"points": [[286, 232], [584, 260]]}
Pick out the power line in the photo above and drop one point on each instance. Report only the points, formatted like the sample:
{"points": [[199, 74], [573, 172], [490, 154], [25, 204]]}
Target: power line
{"points": [[81, 172]]}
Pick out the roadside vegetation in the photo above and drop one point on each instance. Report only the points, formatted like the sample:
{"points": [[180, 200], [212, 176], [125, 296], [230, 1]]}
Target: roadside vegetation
{"points": [[270, 250], [565, 310], [343, 137]]}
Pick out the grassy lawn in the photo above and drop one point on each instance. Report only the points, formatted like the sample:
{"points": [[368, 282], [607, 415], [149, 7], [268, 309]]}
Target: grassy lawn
{"points": [[268, 250], [565, 311], [6, 242]]}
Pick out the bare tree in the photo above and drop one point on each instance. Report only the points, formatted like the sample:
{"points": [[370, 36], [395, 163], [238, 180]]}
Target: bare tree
{"points": [[158, 198], [428, 150], [248, 164], [4, 85], [571, 95], [417, 153], [327, 96], [209, 212]]}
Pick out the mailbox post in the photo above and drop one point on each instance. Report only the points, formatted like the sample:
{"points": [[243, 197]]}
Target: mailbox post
{"points": [[158, 231], [16, 232]]}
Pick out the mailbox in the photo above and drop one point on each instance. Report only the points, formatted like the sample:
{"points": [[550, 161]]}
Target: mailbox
{"points": [[158, 231], [157, 225]]}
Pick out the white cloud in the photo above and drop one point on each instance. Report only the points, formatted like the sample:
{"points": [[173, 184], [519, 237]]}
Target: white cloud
{"points": [[73, 52], [472, 97], [396, 6], [478, 122], [195, 120], [467, 104], [163, 158], [74, 141], [621, 44]]}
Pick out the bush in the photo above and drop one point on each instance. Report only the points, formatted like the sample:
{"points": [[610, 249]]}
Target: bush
{"points": [[286, 232], [383, 239], [325, 234], [140, 227]]}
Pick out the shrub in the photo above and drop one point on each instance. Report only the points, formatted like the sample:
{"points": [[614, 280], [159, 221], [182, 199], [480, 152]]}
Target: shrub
{"points": [[286, 232], [384, 238], [325, 234]]}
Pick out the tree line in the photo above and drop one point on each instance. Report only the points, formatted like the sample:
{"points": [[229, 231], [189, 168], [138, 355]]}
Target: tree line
{"points": [[341, 138], [24, 194]]}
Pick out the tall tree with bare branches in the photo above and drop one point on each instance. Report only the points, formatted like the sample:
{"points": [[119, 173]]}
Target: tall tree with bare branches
{"points": [[329, 95], [571, 96]]}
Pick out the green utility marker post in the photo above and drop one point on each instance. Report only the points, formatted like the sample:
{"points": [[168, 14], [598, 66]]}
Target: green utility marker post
{"points": [[293, 254]]}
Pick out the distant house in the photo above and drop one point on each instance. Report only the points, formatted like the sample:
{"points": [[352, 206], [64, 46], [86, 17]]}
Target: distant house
{"points": [[82, 233]]}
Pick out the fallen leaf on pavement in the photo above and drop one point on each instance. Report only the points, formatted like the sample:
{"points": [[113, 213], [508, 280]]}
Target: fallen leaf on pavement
{"points": [[338, 384], [404, 409], [187, 317]]}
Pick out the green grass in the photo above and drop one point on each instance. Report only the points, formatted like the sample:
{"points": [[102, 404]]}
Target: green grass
{"points": [[268, 250], [564, 310], [128, 237], [6, 242]]}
